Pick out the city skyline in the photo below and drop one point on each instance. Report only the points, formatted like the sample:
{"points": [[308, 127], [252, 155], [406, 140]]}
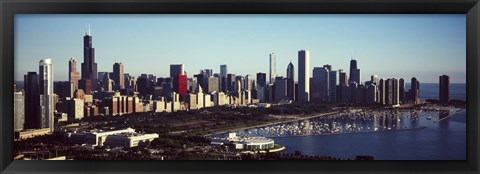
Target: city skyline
{"points": [[258, 61]]}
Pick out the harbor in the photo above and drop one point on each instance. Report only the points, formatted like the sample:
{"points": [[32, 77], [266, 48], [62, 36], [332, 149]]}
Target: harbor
{"points": [[352, 121]]}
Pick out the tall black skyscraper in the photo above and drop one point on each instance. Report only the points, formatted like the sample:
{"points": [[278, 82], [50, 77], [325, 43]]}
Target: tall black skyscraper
{"points": [[444, 88], [290, 81], [342, 92], [89, 67], [223, 78], [262, 87], [230, 82], [118, 75], [415, 90], [32, 101], [354, 72], [202, 80], [402, 89], [261, 79]]}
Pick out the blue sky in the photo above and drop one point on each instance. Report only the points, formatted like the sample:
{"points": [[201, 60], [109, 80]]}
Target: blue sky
{"points": [[391, 46]]}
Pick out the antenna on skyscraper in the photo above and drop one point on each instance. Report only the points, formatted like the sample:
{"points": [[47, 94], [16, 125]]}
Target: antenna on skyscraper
{"points": [[89, 30], [351, 54]]}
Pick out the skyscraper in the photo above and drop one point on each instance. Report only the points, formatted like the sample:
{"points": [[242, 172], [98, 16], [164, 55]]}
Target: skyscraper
{"points": [[353, 96], [371, 95], [19, 111], [291, 82], [46, 93], [303, 76], [389, 91], [223, 78], [207, 73], [248, 82], [180, 84], [89, 67], [108, 83], [223, 71], [240, 80], [382, 91], [176, 69], [332, 89], [342, 94], [32, 101], [86, 85], [142, 85], [177, 74], [320, 85], [401, 87], [444, 88], [343, 79], [374, 79], [230, 82], [73, 75], [354, 72], [396, 91], [63, 89], [118, 75], [261, 86], [280, 89], [273, 68], [415, 91], [212, 84], [200, 80]]}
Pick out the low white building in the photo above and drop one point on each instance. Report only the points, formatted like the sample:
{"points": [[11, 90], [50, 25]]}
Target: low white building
{"points": [[248, 143], [257, 143], [125, 137], [129, 139]]}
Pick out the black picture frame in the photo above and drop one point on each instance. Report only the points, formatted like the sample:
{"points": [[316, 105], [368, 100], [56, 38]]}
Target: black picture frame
{"points": [[8, 8]]}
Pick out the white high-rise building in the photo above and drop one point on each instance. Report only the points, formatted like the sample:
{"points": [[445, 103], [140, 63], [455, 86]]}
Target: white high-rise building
{"points": [[303, 76], [200, 97], [374, 79], [19, 111], [46, 93], [248, 82], [273, 68]]}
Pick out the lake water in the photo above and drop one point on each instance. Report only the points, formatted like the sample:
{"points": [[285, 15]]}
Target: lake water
{"points": [[401, 136], [384, 135], [445, 140]]}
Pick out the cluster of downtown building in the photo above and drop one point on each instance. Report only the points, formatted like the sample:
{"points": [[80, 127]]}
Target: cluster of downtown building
{"points": [[93, 93], [329, 86]]}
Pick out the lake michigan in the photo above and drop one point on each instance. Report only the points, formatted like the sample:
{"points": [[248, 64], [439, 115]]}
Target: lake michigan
{"points": [[428, 140]]}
